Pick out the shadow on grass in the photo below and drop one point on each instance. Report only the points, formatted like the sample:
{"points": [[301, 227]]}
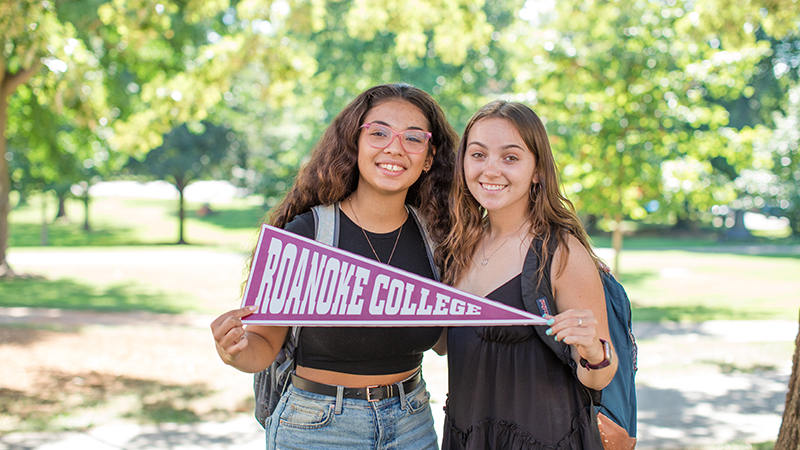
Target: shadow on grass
{"points": [[695, 313], [629, 279], [69, 294], [60, 399], [69, 235], [241, 219]]}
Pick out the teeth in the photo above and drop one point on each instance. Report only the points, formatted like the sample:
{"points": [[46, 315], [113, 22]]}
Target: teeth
{"points": [[391, 167], [493, 187]]}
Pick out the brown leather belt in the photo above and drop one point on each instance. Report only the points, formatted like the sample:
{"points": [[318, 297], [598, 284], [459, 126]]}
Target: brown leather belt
{"points": [[369, 393]]}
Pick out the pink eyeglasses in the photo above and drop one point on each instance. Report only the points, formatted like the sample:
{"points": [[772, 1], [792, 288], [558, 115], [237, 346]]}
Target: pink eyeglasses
{"points": [[381, 136]]}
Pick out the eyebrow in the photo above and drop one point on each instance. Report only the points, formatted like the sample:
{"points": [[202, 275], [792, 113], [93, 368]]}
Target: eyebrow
{"points": [[505, 147], [386, 124]]}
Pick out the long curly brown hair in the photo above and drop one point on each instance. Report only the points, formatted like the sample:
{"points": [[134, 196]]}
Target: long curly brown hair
{"points": [[331, 173], [551, 214]]}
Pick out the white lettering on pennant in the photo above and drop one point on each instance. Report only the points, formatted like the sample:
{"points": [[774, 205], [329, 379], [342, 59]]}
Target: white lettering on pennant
{"points": [[473, 310], [395, 299], [293, 301], [314, 280], [376, 305], [343, 289], [440, 308], [328, 286], [424, 310], [270, 266], [356, 303], [282, 279], [408, 307], [457, 307]]}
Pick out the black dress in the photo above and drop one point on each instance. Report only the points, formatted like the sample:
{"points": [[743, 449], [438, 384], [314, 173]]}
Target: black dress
{"points": [[508, 390]]}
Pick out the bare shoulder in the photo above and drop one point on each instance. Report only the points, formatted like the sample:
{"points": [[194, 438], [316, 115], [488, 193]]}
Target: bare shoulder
{"points": [[577, 283], [577, 258]]}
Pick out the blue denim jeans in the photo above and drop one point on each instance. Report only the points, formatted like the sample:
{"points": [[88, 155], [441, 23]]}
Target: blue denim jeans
{"points": [[307, 421]]}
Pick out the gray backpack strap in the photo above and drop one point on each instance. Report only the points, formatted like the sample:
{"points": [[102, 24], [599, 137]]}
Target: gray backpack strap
{"points": [[326, 221], [430, 246]]}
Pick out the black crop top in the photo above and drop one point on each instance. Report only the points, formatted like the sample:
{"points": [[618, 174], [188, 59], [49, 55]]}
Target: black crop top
{"points": [[368, 350]]}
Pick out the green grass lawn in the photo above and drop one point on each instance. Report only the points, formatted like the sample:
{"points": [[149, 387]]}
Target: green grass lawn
{"points": [[667, 277], [679, 285], [127, 222]]}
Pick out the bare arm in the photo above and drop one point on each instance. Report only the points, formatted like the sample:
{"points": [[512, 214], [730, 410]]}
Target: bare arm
{"points": [[250, 350], [578, 293]]}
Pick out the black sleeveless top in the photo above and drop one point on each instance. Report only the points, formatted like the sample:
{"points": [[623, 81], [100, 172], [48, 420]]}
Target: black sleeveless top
{"points": [[369, 350], [508, 390]]}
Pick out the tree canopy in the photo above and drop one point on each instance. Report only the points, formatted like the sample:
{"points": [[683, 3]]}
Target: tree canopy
{"points": [[653, 106]]}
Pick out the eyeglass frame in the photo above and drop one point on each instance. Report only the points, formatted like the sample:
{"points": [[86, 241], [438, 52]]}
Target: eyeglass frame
{"points": [[428, 136]]}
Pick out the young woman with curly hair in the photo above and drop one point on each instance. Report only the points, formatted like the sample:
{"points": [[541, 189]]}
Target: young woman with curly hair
{"points": [[388, 154]]}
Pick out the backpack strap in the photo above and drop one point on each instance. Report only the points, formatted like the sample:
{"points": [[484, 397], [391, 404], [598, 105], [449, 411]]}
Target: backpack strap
{"points": [[326, 223], [430, 245], [538, 297]]}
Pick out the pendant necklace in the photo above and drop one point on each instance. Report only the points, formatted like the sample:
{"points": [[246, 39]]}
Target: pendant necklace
{"points": [[358, 222], [485, 259]]}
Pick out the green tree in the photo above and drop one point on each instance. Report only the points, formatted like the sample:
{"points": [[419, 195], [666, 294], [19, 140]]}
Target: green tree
{"points": [[626, 88], [187, 155]]}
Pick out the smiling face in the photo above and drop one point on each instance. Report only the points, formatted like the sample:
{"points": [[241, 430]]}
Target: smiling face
{"points": [[498, 167], [392, 170]]}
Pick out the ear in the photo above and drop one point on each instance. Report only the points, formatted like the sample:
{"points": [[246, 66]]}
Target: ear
{"points": [[535, 178], [429, 160]]}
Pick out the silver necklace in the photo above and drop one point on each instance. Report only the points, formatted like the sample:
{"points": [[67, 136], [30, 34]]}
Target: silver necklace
{"points": [[485, 259], [358, 222]]}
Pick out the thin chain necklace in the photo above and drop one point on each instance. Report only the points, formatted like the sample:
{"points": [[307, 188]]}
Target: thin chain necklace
{"points": [[358, 222], [485, 259]]}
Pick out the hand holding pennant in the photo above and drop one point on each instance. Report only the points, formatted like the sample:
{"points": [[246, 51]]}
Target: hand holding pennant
{"points": [[295, 281]]}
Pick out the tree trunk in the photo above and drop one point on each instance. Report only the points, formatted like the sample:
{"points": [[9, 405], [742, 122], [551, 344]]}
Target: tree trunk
{"points": [[62, 207], [616, 243], [738, 232], [789, 436], [181, 210], [86, 226], [8, 84], [5, 185], [43, 236]]}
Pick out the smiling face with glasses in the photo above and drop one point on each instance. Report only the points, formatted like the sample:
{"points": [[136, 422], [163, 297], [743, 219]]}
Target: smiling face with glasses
{"points": [[390, 161]]}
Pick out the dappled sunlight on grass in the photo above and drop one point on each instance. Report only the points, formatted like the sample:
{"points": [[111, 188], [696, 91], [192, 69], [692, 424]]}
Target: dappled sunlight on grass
{"points": [[691, 286], [69, 294], [64, 401], [694, 313], [125, 221]]}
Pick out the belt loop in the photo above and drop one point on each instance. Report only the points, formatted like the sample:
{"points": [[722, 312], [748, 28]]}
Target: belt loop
{"points": [[339, 399], [402, 395]]}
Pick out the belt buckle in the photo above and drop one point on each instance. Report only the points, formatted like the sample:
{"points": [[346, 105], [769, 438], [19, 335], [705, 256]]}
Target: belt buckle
{"points": [[368, 390]]}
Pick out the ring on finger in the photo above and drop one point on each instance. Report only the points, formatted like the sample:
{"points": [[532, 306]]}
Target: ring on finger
{"points": [[580, 321]]}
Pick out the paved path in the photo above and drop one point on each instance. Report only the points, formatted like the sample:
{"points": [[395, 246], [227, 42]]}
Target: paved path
{"points": [[707, 409], [677, 408]]}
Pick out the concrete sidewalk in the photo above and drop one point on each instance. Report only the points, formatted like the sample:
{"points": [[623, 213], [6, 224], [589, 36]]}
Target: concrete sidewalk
{"points": [[708, 409]]}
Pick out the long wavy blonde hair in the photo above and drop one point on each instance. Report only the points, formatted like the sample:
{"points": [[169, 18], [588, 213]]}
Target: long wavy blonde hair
{"points": [[550, 212]]}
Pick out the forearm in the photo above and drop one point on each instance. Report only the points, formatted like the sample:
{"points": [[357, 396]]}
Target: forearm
{"points": [[596, 379]]}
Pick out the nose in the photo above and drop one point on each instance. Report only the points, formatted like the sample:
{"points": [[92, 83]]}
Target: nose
{"points": [[395, 146], [492, 168]]}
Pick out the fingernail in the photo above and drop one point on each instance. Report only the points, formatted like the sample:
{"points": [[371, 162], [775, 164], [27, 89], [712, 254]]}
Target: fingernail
{"points": [[549, 331], [556, 338], [551, 321], [253, 308]]}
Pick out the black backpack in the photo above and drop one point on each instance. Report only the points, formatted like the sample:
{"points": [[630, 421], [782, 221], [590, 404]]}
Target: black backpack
{"points": [[269, 384], [617, 401]]}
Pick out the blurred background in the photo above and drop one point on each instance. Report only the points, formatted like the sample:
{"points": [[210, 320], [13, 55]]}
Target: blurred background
{"points": [[142, 142]]}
